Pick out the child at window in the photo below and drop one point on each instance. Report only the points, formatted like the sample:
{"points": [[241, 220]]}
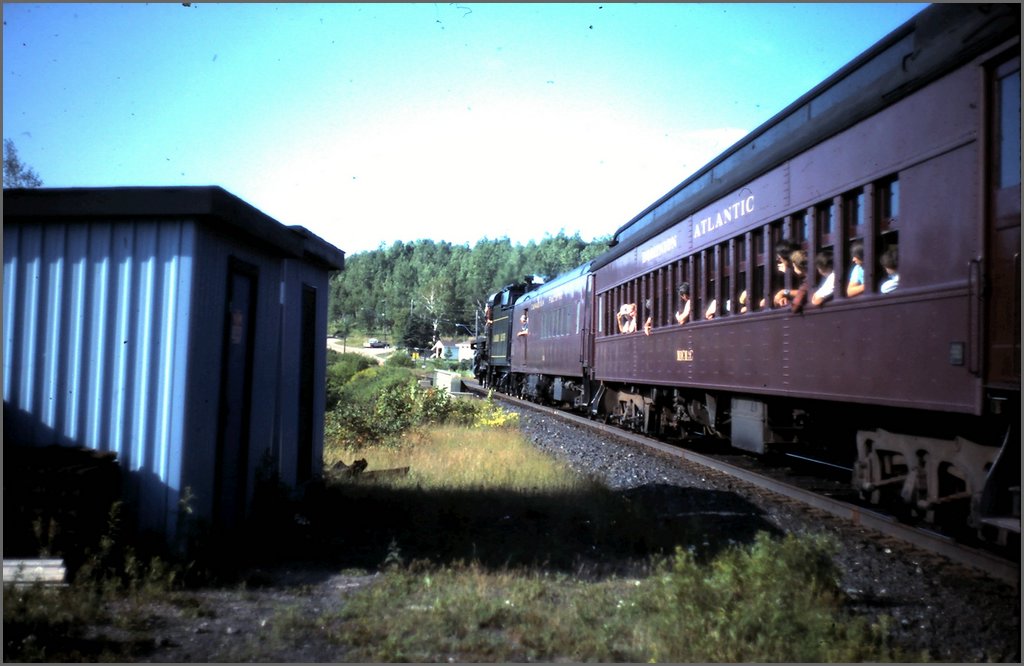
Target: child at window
{"points": [[855, 285], [890, 262], [823, 262]]}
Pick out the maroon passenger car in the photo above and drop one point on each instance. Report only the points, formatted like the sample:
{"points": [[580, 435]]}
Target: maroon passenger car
{"points": [[552, 358], [912, 148]]}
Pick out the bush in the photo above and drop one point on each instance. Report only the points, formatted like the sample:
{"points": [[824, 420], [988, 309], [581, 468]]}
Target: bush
{"points": [[341, 367], [379, 404], [399, 359], [374, 405]]}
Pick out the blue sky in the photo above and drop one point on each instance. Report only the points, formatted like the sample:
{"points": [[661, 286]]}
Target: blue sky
{"points": [[370, 123]]}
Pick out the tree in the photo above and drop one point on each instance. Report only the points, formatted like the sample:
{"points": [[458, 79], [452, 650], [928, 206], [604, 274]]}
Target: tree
{"points": [[424, 289], [17, 174]]}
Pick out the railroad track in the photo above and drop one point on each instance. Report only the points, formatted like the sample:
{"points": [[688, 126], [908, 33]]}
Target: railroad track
{"points": [[930, 541]]}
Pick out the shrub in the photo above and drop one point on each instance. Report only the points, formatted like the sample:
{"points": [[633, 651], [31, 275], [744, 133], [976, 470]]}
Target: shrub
{"points": [[379, 404], [376, 404], [341, 367], [399, 359]]}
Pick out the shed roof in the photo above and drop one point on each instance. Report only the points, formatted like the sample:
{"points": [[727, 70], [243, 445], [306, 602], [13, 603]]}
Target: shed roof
{"points": [[211, 204]]}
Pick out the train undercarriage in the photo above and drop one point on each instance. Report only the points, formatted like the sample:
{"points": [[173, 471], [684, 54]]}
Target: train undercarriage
{"points": [[960, 473]]}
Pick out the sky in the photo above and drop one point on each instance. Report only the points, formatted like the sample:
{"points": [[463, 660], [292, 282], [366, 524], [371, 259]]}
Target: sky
{"points": [[371, 123]]}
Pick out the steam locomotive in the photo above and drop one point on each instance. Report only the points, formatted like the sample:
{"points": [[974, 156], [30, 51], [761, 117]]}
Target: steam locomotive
{"points": [[910, 150]]}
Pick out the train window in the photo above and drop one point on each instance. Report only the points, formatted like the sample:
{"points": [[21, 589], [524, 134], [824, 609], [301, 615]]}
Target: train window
{"points": [[745, 244], [728, 253], [853, 213], [825, 214], [703, 293], [888, 202], [758, 245], [779, 231], [756, 293], [1009, 130], [714, 277], [800, 229]]}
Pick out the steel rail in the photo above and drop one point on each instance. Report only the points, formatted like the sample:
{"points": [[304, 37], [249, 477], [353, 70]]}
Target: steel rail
{"points": [[930, 541]]}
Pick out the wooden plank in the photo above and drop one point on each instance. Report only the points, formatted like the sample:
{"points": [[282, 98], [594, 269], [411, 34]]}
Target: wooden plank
{"points": [[25, 572]]}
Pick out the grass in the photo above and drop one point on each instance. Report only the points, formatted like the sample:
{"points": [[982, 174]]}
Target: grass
{"points": [[753, 604], [540, 564], [453, 458], [490, 551]]}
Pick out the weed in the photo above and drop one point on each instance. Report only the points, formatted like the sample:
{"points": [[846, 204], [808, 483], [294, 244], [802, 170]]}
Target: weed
{"points": [[506, 555], [771, 601]]}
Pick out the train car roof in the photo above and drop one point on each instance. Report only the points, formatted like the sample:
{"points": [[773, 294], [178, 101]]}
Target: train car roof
{"points": [[931, 44], [562, 279]]}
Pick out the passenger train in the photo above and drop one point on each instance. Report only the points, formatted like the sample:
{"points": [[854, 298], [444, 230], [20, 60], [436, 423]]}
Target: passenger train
{"points": [[912, 150]]}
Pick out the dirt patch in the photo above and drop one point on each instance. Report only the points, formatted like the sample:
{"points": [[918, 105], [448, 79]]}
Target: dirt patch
{"points": [[269, 623], [353, 345]]}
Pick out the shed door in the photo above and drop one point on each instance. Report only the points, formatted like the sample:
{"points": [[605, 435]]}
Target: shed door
{"points": [[308, 352], [232, 460]]}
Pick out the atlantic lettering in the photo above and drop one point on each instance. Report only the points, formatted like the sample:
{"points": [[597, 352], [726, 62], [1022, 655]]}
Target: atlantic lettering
{"points": [[723, 217]]}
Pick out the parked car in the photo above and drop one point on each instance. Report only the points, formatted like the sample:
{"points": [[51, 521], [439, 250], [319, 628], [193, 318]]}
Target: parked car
{"points": [[374, 343]]}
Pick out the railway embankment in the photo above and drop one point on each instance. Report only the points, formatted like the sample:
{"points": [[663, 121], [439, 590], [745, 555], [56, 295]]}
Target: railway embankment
{"points": [[941, 609]]}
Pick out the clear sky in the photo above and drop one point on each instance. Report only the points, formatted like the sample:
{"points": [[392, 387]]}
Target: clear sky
{"points": [[370, 123]]}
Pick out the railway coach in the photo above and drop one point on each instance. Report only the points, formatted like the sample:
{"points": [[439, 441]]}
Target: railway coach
{"points": [[912, 150], [492, 362]]}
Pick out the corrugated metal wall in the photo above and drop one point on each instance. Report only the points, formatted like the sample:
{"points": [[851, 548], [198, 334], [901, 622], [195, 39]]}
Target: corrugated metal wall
{"points": [[96, 332]]}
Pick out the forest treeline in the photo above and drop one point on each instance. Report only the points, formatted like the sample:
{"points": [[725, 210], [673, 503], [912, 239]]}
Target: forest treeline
{"points": [[410, 292]]}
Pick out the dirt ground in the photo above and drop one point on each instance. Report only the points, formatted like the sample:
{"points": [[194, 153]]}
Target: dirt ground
{"points": [[355, 345]]}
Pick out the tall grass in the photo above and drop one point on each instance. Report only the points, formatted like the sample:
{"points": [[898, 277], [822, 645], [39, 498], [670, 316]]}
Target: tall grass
{"points": [[450, 458]]}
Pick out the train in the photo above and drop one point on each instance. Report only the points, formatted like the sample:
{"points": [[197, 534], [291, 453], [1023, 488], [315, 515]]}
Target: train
{"points": [[703, 317]]}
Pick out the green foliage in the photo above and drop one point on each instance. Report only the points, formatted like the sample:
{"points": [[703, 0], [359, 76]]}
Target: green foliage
{"points": [[375, 405], [381, 403], [773, 601], [399, 359], [482, 414], [778, 600], [414, 291], [16, 172], [341, 367]]}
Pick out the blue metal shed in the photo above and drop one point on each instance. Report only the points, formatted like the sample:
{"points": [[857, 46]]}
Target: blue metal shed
{"points": [[178, 327]]}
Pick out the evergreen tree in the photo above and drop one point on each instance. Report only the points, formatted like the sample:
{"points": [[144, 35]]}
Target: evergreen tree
{"points": [[425, 289]]}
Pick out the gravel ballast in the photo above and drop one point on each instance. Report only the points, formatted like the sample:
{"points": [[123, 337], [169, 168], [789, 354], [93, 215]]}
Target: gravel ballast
{"points": [[942, 610]]}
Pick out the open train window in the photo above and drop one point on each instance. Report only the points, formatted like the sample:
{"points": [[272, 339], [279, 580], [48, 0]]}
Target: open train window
{"points": [[800, 229], [781, 231], [1008, 138], [745, 251], [853, 213], [854, 220], [887, 200], [826, 216], [759, 241]]}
